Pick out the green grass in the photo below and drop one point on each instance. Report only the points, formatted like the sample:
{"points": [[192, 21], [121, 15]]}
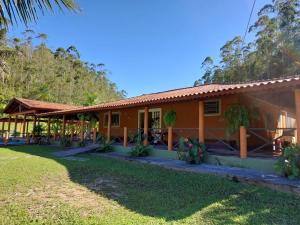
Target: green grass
{"points": [[37, 188]]}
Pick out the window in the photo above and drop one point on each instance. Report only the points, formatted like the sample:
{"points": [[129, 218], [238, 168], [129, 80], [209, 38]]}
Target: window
{"points": [[115, 119], [212, 107]]}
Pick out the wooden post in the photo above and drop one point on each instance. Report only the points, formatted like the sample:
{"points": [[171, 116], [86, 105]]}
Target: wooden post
{"points": [[27, 128], [16, 126], [34, 124], [6, 140], [81, 131], [146, 125], [99, 125], [125, 137], [170, 138], [243, 142], [63, 127], [72, 131], [201, 122], [3, 125], [297, 105], [24, 126], [108, 126], [9, 122], [27, 137], [94, 135], [48, 129]]}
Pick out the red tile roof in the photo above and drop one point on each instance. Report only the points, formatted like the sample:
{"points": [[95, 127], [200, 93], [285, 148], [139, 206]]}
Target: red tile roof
{"points": [[39, 105], [201, 91]]}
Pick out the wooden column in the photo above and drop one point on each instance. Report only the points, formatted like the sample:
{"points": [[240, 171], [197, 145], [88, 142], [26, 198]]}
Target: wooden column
{"points": [[201, 125], [48, 128], [63, 127], [16, 126], [243, 142], [170, 138], [3, 126], [297, 105], [125, 137], [9, 122], [94, 135], [72, 130], [27, 127], [27, 136], [81, 131], [6, 139], [99, 123], [24, 126], [34, 124], [146, 125], [108, 126]]}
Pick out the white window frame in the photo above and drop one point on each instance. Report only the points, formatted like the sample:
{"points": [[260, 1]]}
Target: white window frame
{"points": [[113, 113], [150, 110], [220, 108]]}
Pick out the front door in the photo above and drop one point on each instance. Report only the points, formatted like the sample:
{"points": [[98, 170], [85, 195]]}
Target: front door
{"points": [[154, 118]]}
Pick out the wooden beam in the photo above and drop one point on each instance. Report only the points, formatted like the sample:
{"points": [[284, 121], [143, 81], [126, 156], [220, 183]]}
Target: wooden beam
{"points": [[201, 135], [24, 113]]}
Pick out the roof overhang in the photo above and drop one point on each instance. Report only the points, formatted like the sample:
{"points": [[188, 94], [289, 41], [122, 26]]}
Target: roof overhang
{"points": [[186, 94]]}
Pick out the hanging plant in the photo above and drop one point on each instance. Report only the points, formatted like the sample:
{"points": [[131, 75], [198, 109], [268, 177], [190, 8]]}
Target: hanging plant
{"points": [[170, 118], [237, 115]]}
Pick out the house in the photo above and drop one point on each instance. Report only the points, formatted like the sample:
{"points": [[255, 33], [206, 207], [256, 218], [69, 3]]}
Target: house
{"points": [[199, 114]]}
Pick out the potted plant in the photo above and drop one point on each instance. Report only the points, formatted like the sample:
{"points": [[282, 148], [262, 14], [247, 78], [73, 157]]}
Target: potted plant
{"points": [[237, 115]]}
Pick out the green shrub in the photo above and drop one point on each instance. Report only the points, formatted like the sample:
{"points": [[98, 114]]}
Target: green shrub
{"points": [[140, 150], [106, 147], [38, 130], [288, 164], [191, 150]]}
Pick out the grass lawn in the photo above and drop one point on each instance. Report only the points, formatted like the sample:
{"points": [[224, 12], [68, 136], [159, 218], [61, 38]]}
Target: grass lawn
{"points": [[37, 188]]}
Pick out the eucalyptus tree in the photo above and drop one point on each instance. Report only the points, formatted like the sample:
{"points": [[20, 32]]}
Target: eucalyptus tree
{"points": [[274, 52]]}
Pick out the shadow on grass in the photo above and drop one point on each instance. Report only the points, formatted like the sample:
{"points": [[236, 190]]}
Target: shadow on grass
{"points": [[170, 195]]}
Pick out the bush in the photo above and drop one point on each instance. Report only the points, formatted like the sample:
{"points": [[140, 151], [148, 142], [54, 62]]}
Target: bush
{"points": [[288, 164], [140, 150], [191, 150], [38, 130], [106, 147]]}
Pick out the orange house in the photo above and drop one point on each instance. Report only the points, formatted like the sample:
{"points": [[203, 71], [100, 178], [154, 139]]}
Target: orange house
{"points": [[200, 114]]}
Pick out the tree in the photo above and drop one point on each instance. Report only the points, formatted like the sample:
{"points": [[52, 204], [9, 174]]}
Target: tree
{"points": [[27, 11], [275, 51]]}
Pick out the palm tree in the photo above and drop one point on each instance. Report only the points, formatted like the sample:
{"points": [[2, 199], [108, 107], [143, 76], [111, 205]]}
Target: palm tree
{"points": [[27, 10]]}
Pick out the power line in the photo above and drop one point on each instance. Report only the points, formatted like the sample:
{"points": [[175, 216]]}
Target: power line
{"points": [[249, 21]]}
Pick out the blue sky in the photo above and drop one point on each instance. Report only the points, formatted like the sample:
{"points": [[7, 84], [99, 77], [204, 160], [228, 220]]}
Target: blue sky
{"points": [[148, 45]]}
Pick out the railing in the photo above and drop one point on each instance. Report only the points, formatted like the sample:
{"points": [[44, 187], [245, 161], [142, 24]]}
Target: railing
{"points": [[269, 142], [219, 140]]}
